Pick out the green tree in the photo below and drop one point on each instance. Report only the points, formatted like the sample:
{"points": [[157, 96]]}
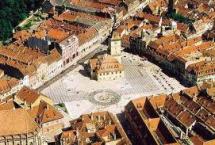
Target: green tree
{"points": [[11, 13], [5, 29], [181, 18]]}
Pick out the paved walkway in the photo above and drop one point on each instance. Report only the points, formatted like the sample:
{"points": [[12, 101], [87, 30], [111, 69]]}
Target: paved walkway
{"points": [[142, 78]]}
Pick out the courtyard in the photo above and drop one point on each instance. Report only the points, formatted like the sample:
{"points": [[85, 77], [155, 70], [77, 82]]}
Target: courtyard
{"points": [[82, 95]]}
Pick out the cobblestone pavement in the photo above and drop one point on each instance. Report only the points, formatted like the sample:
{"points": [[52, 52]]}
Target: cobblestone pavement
{"points": [[142, 78], [104, 97]]}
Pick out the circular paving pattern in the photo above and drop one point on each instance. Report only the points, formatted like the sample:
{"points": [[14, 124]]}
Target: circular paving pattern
{"points": [[104, 97]]}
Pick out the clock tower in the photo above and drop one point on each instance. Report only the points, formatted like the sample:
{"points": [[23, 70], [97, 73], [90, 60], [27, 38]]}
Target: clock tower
{"points": [[115, 49]]}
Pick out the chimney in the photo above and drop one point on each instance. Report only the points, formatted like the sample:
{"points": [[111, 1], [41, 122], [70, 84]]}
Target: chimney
{"points": [[47, 107], [109, 122], [99, 118], [91, 116], [181, 135], [114, 136], [187, 131]]}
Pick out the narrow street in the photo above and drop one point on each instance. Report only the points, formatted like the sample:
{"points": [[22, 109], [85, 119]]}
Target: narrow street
{"points": [[127, 128]]}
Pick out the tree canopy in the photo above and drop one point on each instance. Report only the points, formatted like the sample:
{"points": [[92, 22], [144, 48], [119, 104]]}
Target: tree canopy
{"points": [[181, 18], [11, 13]]}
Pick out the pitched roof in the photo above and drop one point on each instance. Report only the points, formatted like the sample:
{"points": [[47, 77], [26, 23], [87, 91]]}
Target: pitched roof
{"points": [[57, 34], [7, 105], [105, 64], [94, 126], [22, 35], [27, 95], [15, 122], [191, 92], [107, 130], [186, 118], [7, 85], [44, 113]]}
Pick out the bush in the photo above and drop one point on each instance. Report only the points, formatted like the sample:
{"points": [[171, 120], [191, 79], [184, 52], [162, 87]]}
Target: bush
{"points": [[26, 26], [181, 18]]}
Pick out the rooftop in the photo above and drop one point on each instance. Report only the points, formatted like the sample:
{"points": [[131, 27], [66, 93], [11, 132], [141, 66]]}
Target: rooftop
{"points": [[44, 113], [28, 95], [105, 64], [16, 122], [94, 128]]}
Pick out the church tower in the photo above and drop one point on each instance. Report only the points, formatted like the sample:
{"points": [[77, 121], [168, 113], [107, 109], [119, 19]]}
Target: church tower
{"points": [[115, 49]]}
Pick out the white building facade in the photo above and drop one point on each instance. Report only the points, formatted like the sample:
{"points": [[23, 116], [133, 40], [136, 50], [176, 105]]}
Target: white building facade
{"points": [[69, 49]]}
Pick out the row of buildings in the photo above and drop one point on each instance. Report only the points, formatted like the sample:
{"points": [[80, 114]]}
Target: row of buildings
{"points": [[183, 49], [191, 60], [69, 31], [38, 55], [186, 117], [95, 128], [30, 118]]}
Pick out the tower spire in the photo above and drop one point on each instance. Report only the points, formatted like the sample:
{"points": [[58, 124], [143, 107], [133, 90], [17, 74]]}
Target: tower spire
{"points": [[115, 46]]}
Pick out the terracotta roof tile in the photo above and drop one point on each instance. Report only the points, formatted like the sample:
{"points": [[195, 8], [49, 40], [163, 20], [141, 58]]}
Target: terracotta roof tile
{"points": [[105, 64], [186, 118], [28, 95], [45, 113], [57, 35], [15, 122], [7, 105]]}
